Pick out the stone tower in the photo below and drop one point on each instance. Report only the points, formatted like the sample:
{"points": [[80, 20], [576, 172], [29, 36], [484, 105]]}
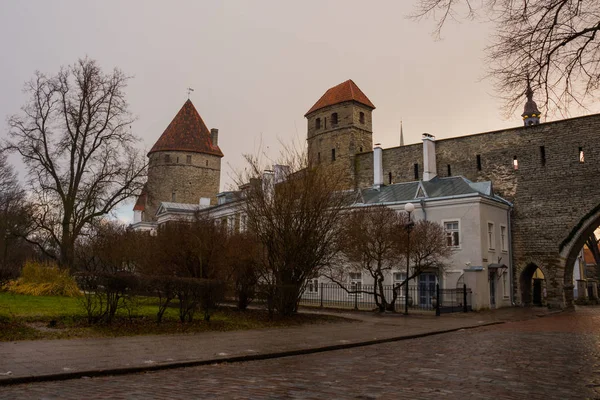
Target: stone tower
{"points": [[184, 165], [339, 127], [531, 115]]}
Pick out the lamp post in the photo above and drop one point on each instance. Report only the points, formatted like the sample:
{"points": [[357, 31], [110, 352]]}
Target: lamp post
{"points": [[409, 208]]}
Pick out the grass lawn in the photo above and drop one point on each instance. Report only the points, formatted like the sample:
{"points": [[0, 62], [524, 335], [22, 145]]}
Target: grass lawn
{"points": [[47, 317]]}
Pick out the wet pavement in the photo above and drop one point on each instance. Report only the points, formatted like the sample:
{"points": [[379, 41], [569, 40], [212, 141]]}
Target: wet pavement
{"points": [[551, 357]]}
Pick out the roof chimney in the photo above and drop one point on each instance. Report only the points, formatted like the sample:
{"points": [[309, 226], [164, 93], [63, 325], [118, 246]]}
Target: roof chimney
{"points": [[377, 166], [429, 167], [214, 136]]}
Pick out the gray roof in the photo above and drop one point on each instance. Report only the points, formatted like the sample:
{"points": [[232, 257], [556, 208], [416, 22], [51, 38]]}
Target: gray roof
{"points": [[436, 188], [179, 207]]}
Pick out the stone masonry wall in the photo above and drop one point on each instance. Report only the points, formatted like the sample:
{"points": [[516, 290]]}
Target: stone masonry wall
{"points": [[551, 190], [189, 181], [348, 137]]}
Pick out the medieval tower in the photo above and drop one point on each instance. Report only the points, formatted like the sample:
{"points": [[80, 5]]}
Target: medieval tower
{"points": [[339, 127], [184, 165]]}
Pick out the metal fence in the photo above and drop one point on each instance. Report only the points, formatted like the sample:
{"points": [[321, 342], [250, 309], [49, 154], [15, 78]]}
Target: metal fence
{"points": [[426, 297]]}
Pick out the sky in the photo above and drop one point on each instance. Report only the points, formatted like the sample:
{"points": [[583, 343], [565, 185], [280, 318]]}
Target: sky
{"points": [[257, 66]]}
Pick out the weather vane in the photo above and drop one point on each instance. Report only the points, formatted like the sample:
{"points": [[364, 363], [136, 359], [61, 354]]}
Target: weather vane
{"points": [[189, 90]]}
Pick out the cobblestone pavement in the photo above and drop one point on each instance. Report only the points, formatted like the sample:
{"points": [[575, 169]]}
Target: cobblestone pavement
{"points": [[556, 357]]}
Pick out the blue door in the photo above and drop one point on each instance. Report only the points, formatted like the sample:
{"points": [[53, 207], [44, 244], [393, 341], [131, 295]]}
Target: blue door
{"points": [[426, 289]]}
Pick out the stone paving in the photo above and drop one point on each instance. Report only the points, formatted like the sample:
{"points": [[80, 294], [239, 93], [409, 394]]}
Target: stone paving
{"points": [[49, 358], [556, 357]]}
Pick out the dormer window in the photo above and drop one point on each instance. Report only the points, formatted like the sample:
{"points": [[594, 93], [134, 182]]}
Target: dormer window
{"points": [[334, 119], [361, 117], [318, 123]]}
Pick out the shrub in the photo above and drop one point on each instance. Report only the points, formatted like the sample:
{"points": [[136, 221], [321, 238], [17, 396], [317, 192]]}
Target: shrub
{"points": [[44, 279], [105, 293], [194, 294]]}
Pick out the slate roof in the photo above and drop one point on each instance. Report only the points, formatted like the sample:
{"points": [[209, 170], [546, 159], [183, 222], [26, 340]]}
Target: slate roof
{"points": [[167, 206], [346, 91], [187, 132], [436, 188]]}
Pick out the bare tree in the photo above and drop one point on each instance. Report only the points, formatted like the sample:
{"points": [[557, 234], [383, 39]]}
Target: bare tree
{"points": [[554, 44], [294, 212], [370, 242], [14, 220], [74, 137]]}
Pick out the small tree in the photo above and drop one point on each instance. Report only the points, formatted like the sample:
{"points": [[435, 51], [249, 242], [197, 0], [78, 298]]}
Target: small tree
{"points": [[369, 243], [242, 263], [294, 212]]}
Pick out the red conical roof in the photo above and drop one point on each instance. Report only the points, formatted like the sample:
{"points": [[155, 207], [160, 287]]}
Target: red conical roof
{"points": [[187, 132], [346, 91], [140, 204]]}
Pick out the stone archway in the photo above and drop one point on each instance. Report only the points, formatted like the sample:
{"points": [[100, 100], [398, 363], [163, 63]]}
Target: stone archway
{"points": [[532, 285], [572, 245]]}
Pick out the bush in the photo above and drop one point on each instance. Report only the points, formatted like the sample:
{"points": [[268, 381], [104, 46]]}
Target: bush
{"points": [[44, 279], [194, 294], [105, 293]]}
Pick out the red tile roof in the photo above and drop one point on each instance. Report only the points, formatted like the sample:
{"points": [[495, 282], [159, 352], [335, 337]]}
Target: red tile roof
{"points": [[140, 204], [187, 132], [346, 91], [589, 257]]}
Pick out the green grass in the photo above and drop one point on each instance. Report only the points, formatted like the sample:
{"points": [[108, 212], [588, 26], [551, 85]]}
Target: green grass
{"points": [[24, 317]]}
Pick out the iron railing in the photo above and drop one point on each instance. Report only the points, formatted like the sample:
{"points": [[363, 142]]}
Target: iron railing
{"points": [[426, 297]]}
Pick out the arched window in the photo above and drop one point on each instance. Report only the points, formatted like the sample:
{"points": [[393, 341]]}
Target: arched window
{"points": [[334, 119], [362, 117], [318, 123]]}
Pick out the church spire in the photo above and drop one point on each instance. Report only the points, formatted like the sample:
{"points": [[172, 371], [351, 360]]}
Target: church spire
{"points": [[531, 115], [401, 135]]}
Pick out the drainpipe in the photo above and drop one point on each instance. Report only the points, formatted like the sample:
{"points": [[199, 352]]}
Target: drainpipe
{"points": [[510, 259]]}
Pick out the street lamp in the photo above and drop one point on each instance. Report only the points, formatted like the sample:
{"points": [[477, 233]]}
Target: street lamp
{"points": [[409, 208]]}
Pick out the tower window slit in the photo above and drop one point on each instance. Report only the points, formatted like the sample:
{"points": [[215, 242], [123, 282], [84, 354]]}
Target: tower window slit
{"points": [[334, 119], [318, 123], [361, 117], [389, 178], [581, 157], [319, 157], [515, 163], [449, 170], [478, 162], [416, 166], [332, 154], [543, 155]]}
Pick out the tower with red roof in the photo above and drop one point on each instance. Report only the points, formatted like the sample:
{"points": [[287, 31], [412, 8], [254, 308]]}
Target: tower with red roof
{"points": [[339, 127], [184, 165]]}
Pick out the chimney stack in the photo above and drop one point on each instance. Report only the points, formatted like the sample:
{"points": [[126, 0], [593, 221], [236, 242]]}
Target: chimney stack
{"points": [[214, 136], [377, 166], [429, 167]]}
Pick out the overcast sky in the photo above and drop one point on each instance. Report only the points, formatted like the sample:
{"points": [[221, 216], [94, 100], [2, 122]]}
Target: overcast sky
{"points": [[257, 66]]}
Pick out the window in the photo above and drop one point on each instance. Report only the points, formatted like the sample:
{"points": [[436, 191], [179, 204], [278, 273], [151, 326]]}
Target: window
{"points": [[505, 284], [313, 286], [334, 119], [361, 117], [581, 157], [319, 157], [207, 163], [361, 149], [399, 278], [478, 162], [543, 155], [389, 178], [332, 154], [491, 236], [452, 233], [416, 167], [167, 158], [188, 159], [355, 283], [318, 123], [177, 160], [173, 196], [243, 222], [503, 238], [515, 163], [449, 170]]}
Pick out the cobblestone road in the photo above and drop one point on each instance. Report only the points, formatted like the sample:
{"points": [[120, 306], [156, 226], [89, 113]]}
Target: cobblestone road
{"points": [[555, 357]]}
